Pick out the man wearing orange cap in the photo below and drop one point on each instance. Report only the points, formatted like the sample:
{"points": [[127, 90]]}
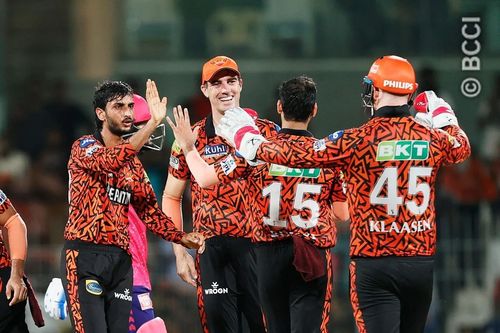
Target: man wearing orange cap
{"points": [[225, 274], [390, 165]]}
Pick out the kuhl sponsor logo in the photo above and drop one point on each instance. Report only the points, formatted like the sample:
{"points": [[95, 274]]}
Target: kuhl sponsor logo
{"points": [[402, 150], [216, 290], [277, 170], [220, 149]]}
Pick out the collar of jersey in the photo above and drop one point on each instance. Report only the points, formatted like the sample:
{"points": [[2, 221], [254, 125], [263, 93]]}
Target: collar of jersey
{"points": [[393, 111], [297, 132], [209, 127], [98, 136]]}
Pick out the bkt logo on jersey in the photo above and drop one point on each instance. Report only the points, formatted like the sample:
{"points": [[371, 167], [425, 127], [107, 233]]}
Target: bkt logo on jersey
{"points": [[281, 170], [398, 84], [403, 150], [216, 150]]}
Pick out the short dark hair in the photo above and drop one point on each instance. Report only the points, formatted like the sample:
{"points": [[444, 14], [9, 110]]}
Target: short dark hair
{"points": [[106, 92], [298, 97]]}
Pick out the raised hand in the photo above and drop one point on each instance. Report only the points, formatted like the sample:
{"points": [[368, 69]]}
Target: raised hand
{"points": [[157, 106], [429, 106], [183, 133]]}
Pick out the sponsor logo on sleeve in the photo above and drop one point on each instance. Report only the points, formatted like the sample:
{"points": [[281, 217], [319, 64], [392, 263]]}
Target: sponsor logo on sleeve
{"points": [[91, 150], [84, 143], [145, 301], [176, 148], [3, 197], [335, 136], [228, 165], [319, 145], [174, 162]]}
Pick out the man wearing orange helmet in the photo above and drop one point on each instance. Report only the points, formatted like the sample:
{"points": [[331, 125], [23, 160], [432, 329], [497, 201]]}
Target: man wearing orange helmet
{"points": [[390, 165]]}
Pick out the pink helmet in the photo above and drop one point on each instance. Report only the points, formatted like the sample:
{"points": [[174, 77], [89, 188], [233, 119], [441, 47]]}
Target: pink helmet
{"points": [[142, 115], [141, 110]]}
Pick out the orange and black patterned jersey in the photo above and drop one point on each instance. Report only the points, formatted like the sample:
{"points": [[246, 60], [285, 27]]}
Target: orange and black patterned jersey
{"points": [[4, 254], [390, 165], [289, 201], [223, 208], [102, 183]]}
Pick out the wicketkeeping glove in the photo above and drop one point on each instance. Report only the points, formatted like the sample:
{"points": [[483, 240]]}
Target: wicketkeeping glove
{"points": [[435, 110], [54, 302], [239, 129]]}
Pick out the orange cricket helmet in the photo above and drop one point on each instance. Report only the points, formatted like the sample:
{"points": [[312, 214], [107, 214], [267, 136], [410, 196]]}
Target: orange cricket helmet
{"points": [[392, 74]]}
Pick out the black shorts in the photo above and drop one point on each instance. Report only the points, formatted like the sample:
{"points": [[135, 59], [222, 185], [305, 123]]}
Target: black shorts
{"points": [[98, 287], [391, 294], [227, 287], [12, 318], [290, 303]]}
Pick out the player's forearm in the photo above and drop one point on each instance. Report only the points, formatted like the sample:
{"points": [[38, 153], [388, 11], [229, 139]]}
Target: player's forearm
{"points": [[204, 173], [340, 211], [17, 237], [163, 226], [172, 207], [17, 268], [461, 147], [142, 136]]}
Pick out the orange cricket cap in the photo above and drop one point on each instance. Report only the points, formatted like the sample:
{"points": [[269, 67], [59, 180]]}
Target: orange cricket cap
{"points": [[217, 64]]}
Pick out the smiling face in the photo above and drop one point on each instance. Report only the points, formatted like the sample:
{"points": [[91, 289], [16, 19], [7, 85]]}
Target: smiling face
{"points": [[118, 116], [223, 91]]}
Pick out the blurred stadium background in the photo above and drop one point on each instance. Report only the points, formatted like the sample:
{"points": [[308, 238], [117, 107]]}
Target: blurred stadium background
{"points": [[52, 53]]}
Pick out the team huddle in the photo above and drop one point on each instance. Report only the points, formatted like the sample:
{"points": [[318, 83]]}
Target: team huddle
{"points": [[265, 202]]}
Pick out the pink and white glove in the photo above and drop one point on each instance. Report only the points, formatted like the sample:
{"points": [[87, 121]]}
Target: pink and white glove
{"points": [[433, 111], [237, 126]]}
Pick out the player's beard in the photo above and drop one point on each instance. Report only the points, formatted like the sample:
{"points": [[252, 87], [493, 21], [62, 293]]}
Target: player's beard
{"points": [[116, 129]]}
